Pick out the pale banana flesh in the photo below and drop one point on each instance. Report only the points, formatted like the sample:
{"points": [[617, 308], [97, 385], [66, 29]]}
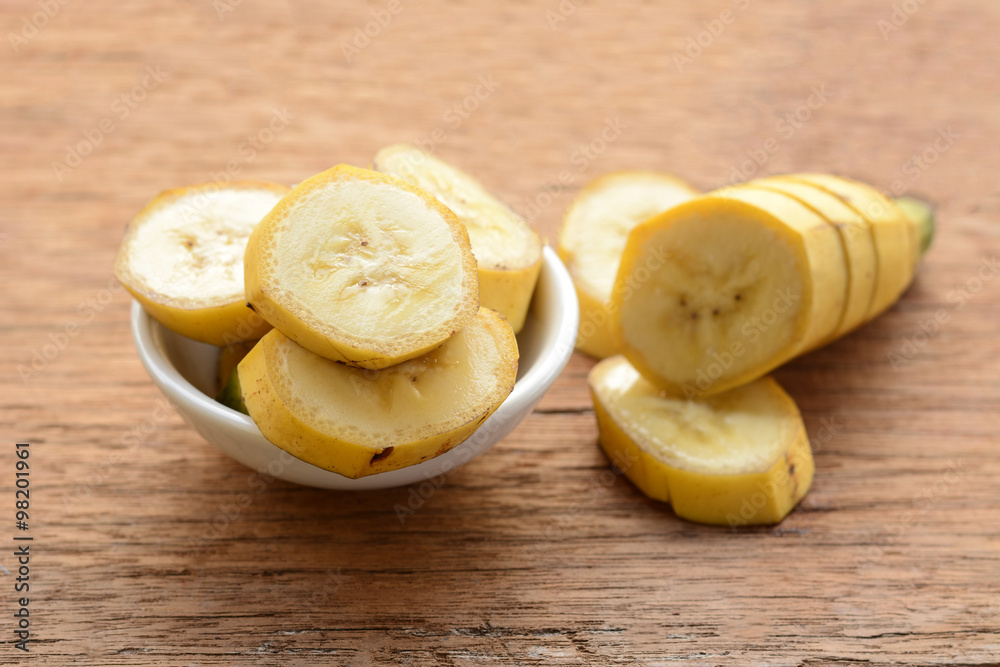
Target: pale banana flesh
{"points": [[360, 267], [720, 290], [361, 422], [737, 458], [508, 251], [182, 258], [593, 237]]}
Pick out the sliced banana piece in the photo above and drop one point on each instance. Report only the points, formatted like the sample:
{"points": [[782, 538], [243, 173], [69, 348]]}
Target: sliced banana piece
{"points": [[360, 267], [896, 238], [858, 241], [593, 237], [737, 458], [508, 251], [356, 422], [720, 290], [229, 357], [182, 258]]}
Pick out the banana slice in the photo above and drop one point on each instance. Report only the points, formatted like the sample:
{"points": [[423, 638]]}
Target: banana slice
{"points": [[360, 267], [720, 290], [737, 458], [858, 241], [896, 239], [593, 237], [182, 258], [356, 422], [508, 251], [229, 357]]}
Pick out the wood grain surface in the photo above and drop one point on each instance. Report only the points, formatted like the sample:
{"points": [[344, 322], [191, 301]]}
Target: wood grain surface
{"points": [[152, 548]]}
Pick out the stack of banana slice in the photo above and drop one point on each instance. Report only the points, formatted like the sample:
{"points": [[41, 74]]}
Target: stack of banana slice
{"points": [[381, 355], [709, 296]]}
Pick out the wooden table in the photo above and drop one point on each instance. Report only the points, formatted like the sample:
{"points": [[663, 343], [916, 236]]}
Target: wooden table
{"points": [[151, 547]]}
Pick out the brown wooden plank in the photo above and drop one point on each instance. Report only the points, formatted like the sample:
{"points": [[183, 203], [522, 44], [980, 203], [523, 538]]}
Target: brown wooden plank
{"points": [[168, 553]]}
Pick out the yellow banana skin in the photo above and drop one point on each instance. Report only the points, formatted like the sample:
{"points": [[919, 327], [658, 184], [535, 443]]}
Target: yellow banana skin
{"points": [[270, 395], [696, 282], [596, 336], [753, 498], [896, 237], [507, 250], [216, 323], [509, 292], [220, 325], [593, 236], [858, 242]]}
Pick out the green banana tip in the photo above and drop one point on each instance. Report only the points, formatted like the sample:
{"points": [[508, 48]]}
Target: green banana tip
{"points": [[922, 214], [232, 394]]}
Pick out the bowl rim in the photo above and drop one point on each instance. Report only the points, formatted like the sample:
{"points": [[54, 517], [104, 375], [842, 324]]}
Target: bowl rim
{"points": [[528, 390]]}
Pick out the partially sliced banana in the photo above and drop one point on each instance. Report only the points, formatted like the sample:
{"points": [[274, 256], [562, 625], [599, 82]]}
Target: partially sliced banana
{"points": [[857, 238], [508, 251], [737, 458], [360, 422], [720, 290], [593, 237], [896, 238], [182, 258], [360, 267]]}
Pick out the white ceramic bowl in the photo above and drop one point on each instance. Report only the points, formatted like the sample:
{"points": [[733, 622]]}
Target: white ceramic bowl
{"points": [[185, 371]]}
